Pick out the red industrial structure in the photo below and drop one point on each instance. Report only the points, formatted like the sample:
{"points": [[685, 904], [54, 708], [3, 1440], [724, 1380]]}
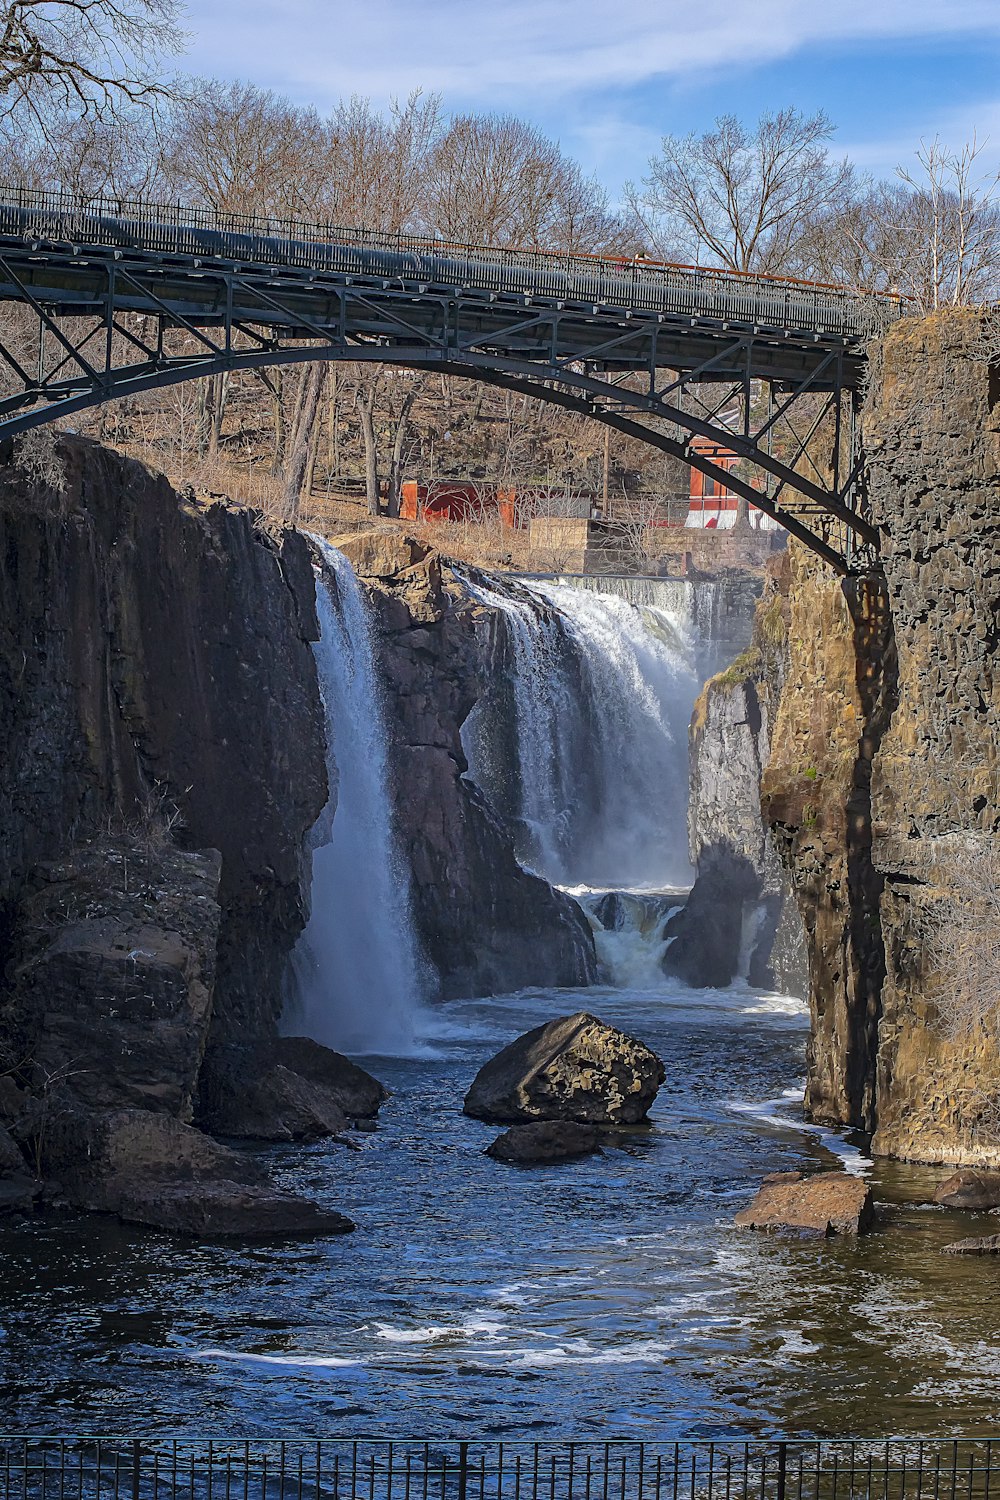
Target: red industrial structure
{"points": [[470, 500], [710, 505]]}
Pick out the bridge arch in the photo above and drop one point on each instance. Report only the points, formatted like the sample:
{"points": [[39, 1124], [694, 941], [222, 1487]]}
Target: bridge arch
{"points": [[619, 345]]}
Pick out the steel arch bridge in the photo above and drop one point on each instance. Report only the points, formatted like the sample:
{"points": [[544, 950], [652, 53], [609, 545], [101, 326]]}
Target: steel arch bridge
{"points": [[120, 297]]}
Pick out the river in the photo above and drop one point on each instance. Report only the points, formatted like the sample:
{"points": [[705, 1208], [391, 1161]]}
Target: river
{"points": [[609, 1296]]}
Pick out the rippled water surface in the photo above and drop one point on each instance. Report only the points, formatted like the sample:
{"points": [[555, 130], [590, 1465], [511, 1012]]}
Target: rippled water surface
{"points": [[601, 1297]]}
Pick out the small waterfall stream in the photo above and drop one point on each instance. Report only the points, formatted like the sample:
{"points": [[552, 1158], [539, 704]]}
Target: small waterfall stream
{"points": [[357, 967]]}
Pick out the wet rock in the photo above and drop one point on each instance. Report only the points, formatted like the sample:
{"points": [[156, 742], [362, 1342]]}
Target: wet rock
{"points": [[969, 1189], [112, 996], [12, 1159], [545, 1141], [359, 1095], [574, 1068], [824, 1203], [986, 1244], [485, 924], [152, 1169], [285, 1089]]}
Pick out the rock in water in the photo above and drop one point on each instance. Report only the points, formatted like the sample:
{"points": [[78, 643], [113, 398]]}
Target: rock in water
{"points": [[151, 1169], [987, 1244], [825, 1203], [970, 1189], [284, 1088], [574, 1068], [545, 1141]]}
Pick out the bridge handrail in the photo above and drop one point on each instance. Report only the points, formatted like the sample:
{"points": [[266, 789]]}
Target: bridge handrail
{"points": [[639, 283]]}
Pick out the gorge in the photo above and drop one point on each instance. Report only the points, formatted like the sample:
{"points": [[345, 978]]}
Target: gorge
{"points": [[257, 788]]}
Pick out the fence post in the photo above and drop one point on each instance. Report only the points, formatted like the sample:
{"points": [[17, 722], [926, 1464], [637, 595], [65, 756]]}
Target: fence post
{"points": [[782, 1468], [463, 1470], [136, 1452]]}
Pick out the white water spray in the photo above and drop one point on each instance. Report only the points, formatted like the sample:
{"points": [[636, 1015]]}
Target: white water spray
{"points": [[357, 966], [603, 692]]}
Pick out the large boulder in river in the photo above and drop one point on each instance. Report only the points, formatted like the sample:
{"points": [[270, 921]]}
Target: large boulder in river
{"points": [[574, 1068], [970, 1189], [149, 1168], [545, 1141], [824, 1203], [284, 1088]]}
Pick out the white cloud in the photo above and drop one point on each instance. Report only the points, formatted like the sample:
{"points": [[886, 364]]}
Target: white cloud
{"points": [[500, 51]]}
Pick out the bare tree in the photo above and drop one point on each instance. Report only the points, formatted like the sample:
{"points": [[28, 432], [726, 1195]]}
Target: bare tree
{"points": [[91, 54], [495, 179], [957, 261], [745, 197]]}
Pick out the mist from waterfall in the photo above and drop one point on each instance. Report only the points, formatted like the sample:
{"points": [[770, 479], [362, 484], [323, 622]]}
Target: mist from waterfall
{"points": [[602, 695], [357, 967]]}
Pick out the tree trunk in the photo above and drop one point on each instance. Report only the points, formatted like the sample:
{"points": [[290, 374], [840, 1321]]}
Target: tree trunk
{"points": [[220, 398], [396, 466], [298, 455], [366, 409]]}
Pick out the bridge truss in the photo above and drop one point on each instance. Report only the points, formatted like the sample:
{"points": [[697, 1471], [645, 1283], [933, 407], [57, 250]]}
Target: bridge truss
{"points": [[107, 300]]}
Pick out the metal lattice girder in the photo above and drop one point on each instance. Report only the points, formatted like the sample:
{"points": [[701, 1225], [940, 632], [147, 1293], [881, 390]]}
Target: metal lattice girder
{"points": [[595, 336]]}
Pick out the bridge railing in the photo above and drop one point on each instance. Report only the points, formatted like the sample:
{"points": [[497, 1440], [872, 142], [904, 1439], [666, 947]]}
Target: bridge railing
{"points": [[381, 1469], [642, 286]]}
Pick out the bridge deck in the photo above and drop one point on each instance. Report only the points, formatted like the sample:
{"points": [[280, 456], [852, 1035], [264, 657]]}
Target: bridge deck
{"points": [[69, 237]]}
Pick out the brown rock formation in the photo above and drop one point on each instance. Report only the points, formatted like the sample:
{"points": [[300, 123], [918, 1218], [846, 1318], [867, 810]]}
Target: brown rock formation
{"points": [[113, 991], [486, 925], [826, 1203], [969, 1189], [151, 1169], [574, 1068], [884, 757]]}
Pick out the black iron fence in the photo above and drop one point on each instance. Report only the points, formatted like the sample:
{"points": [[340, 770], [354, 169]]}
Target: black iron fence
{"points": [[39, 1468]]}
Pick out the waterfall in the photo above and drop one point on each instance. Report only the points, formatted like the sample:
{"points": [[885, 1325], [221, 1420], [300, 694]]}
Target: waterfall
{"points": [[602, 694], [357, 966]]}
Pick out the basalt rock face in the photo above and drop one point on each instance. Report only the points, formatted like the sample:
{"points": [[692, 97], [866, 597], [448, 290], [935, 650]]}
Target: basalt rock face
{"points": [[834, 709], [739, 917], [933, 431], [155, 654], [884, 756], [485, 924], [161, 737]]}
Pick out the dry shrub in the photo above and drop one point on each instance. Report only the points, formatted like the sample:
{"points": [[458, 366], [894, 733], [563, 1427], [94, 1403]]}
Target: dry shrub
{"points": [[42, 465]]}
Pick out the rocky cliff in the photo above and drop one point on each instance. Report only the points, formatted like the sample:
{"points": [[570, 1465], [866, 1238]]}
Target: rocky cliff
{"points": [[155, 663], [739, 918], [163, 759], [485, 924], [884, 756]]}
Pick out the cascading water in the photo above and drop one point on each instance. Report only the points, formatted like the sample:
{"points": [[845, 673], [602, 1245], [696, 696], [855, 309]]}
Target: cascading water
{"points": [[357, 966], [603, 693]]}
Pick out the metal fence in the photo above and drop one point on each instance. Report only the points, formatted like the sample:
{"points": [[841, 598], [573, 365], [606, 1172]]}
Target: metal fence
{"points": [[38, 1468], [648, 286]]}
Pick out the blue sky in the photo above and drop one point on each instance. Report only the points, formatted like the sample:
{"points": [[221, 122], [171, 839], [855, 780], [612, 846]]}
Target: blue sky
{"points": [[609, 77]]}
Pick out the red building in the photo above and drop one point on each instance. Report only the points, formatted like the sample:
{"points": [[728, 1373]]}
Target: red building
{"points": [[710, 504]]}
